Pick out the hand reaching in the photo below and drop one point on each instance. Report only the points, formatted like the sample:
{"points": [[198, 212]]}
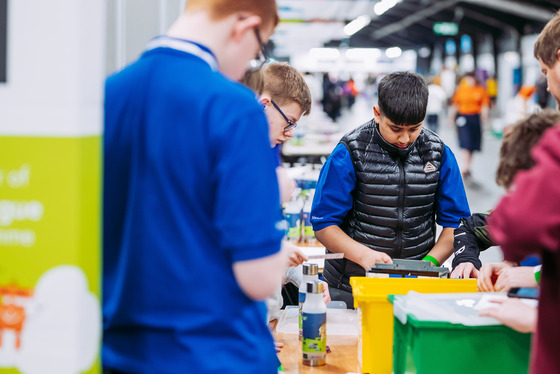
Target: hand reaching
{"points": [[518, 276], [374, 257], [295, 255], [488, 276], [513, 313], [465, 270], [500, 277]]}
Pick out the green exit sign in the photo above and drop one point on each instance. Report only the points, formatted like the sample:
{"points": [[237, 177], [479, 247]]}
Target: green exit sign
{"points": [[446, 28]]}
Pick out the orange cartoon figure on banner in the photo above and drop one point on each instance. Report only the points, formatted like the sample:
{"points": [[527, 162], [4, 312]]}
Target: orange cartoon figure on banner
{"points": [[12, 315]]}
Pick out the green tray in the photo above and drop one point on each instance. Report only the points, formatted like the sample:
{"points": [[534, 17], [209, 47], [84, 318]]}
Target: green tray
{"points": [[425, 347]]}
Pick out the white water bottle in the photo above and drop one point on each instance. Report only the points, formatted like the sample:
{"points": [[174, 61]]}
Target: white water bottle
{"points": [[314, 319], [310, 273]]}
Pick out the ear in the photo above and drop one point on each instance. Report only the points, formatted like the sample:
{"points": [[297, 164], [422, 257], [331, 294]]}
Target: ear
{"points": [[243, 24], [558, 55], [264, 100], [376, 114]]}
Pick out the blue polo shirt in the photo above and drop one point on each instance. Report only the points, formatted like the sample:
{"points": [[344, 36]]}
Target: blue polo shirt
{"points": [[190, 188], [277, 155], [333, 198]]}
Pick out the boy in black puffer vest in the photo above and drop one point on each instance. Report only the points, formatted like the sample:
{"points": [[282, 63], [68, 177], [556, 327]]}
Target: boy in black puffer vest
{"points": [[385, 186]]}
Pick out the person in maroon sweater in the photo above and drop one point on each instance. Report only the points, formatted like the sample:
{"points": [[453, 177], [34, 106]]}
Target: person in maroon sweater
{"points": [[527, 221]]}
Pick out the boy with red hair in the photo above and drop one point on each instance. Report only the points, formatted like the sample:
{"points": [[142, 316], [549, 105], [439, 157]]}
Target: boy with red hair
{"points": [[191, 244]]}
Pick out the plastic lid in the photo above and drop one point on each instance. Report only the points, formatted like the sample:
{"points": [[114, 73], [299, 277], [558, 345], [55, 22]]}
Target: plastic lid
{"points": [[315, 287], [310, 269]]}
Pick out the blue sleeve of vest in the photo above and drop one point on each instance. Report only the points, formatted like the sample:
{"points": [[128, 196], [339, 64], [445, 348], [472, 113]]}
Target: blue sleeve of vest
{"points": [[451, 198], [333, 196]]}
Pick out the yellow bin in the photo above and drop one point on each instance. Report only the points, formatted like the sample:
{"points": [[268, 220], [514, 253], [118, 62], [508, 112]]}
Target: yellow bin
{"points": [[375, 345]]}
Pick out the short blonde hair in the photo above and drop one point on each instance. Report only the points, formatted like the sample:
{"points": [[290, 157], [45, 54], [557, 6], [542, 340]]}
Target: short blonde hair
{"points": [[285, 84], [548, 42], [219, 9]]}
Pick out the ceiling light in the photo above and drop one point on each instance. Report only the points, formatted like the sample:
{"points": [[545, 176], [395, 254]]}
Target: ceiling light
{"points": [[324, 53], [393, 52], [424, 52], [356, 25], [384, 5], [362, 53]]}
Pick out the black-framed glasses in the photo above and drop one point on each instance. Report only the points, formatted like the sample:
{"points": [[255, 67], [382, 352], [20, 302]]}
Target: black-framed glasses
{"points": [[291, 125], [262, 56]]}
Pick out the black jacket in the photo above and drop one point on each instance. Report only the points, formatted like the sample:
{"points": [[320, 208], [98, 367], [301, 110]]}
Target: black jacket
{"points": [[470, 238]]}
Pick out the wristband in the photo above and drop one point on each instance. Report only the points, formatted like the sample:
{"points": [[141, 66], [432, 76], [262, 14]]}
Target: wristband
{"points": [[431, 259], [538, 273]]}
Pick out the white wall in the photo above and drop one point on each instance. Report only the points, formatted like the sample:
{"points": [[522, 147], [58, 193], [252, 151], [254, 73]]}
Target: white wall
{"points": [[132, 23], [530, 65], [59, 52], [507, 62], [55, 68], [466, 63], [486, 61]]}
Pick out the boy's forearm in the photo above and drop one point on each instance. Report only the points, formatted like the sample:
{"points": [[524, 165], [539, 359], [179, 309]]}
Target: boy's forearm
{"points": [[259, 278], [337, 241], [444, 245]]}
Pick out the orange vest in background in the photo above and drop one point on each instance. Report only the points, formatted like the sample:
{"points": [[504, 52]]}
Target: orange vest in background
{"points": [[470, 100]]}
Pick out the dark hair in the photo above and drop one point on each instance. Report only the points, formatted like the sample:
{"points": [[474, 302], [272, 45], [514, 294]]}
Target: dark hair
{"points": [[548, 42], [515, 153], [403, 97]]}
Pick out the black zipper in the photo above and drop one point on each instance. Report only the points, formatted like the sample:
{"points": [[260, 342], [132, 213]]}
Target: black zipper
{"points": [[400, 209]]}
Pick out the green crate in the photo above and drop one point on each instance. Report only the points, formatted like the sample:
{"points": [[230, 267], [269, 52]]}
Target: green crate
{"points": [[425, 347]]}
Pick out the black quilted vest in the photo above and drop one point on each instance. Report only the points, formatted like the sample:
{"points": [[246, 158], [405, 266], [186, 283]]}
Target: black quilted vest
{"points": [[394, 199]]}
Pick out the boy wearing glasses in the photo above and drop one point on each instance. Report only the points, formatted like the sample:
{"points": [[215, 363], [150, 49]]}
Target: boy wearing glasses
{"points": [[385, 186], [285, 97], [191, 245]]}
